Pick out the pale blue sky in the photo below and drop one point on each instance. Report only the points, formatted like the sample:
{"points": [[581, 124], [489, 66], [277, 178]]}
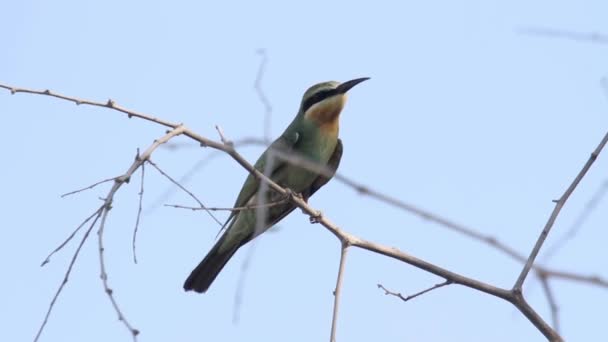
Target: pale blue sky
{"points": [[463, 116]]}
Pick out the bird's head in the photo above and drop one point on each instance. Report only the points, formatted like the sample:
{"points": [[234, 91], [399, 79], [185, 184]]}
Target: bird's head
{"points": [[323, 102]]}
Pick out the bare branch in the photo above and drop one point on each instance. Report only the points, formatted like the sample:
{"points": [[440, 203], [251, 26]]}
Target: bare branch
{"points": [[578, 222], [427, 215], [558, 207], [585, 279], [183, 179], [104, 275], [362, 189], [247, 207], [417, 294], [513, 296], [223, 138], [96, 214], [238, 295], [69, 238], [257, 85], [107, 206], [88, 187], [185, 190], [338, 290], [591, 37], [141, 198], [108, 104], [544, 281]]}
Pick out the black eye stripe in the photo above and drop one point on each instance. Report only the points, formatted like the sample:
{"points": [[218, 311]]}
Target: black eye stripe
{"points": [[318, 97]]}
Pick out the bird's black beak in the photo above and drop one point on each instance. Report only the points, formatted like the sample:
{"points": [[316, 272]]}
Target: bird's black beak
{"points": [[346, 86]]}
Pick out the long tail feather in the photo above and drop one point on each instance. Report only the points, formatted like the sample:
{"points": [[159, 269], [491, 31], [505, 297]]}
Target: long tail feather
{"points": [[207, 270]]}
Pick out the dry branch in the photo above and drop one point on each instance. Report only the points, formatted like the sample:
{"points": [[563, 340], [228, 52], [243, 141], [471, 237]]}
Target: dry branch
{"points": [[513, 296]]}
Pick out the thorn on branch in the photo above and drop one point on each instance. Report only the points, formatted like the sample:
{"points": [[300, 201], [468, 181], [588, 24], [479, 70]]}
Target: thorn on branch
{"points": [[223, 138], [362, 190], [491, 240], [593, 156]]}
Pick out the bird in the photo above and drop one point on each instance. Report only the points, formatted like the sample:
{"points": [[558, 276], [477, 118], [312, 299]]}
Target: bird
{"points": [[313, 136]]}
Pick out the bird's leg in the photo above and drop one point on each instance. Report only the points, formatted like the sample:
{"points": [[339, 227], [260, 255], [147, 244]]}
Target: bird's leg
{"points": [[293, 194], [313, 218]]}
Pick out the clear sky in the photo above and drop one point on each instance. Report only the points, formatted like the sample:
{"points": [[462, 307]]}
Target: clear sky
{"points": [[464, 116]]}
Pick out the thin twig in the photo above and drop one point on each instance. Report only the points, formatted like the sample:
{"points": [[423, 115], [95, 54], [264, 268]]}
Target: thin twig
{"points": [[247, 207], [141, 198], [338, 290], [108, 104], [240, 286], [558, 207], [513, 296], [183, 180], [192, 195], [88, 187], [544, 281], [118, 182], [68, 239], [97, 214], [584, 279], [578, 222], [362, 189], [592, 37], [223, 138], [238, 296], [103, 273], [257, 85], [417, 294]]}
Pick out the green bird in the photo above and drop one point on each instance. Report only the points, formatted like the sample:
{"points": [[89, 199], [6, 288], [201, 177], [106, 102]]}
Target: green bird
{"points": [[312, 135]]}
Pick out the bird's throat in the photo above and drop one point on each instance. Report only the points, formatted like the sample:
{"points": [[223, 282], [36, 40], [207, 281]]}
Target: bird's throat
{"points": [[326, 114]]}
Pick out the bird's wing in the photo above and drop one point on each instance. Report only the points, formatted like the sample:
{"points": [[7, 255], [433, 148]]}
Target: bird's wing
{"points": [[275, 216], [285, 144], [331, 167]]}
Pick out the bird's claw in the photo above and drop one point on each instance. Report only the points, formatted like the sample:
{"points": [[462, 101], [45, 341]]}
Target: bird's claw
{"points": [[316, 218]]}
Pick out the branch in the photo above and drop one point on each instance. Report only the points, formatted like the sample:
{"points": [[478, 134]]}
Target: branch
{"points": [[338, 290], [417, 294], [185, 190], [257, 85], [427, 215], [544, 281], [513, 296], [246, 207], [141, 199], [359, 187], [96, 214], [558, 207], [578, 222], [88, 187], [107, 206], [592, 37]]}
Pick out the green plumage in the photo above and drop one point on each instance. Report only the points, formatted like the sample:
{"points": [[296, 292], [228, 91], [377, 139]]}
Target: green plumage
{"points": [[303, 138]]}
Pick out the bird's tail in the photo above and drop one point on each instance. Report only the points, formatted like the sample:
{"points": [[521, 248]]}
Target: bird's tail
{"points": [[207, 270]]}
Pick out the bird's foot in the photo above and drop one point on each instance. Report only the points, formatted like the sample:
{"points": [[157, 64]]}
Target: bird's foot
{"points": [[292, 194], [316, 218]]}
